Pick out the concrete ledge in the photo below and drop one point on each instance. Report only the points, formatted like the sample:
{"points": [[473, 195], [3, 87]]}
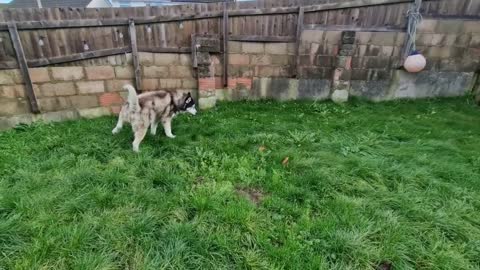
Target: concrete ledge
{"points": [[9, 122], [431, 84], [404, 85], [291, 89]]}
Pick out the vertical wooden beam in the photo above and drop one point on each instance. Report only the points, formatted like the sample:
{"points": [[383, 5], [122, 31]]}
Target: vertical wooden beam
{"points": [[300, 20], [22, 63], [194, 52], [136, 64], [226, 34]]}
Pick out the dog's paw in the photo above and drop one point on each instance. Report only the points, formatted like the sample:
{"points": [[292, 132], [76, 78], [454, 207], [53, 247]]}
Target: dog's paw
{"points": [[115, 131], [171, 136]]}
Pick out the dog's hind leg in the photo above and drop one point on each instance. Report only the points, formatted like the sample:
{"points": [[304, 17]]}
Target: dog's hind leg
{"points": [[153, 128], [139, 136], [167, 126], [154, 123]]}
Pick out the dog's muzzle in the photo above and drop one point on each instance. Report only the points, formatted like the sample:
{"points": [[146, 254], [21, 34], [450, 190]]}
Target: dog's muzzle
{"points": [[192, 110]]}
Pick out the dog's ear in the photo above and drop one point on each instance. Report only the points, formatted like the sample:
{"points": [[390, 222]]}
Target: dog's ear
{"points": [[189, 95]]}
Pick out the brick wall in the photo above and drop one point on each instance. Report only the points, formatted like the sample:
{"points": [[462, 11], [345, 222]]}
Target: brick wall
{"points": [[450, 45], [250, 60], [167, 71], [91, 89], [452, 49], [260, 70]]}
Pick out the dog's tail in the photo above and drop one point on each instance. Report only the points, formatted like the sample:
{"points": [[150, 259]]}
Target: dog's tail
{"points": [[132, 97]]}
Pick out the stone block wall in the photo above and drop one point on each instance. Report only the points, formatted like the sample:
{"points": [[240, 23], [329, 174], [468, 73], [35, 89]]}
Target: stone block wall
{"points": [[451, 47], [249, 61], [167, 71], [70, 92], [89, 89], [369, 68]]}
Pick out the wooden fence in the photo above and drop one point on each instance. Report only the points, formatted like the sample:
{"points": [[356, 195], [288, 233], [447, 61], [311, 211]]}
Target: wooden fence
{"points": [[38, 37]]}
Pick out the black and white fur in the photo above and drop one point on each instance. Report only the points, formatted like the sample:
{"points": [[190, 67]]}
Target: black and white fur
{"points": [[148, 109]]}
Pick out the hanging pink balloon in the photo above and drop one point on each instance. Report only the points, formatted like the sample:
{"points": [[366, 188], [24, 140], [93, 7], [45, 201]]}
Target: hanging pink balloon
{"points": [[415, 62]]}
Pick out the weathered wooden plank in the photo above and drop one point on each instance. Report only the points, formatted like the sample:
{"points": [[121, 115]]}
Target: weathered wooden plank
{"points": [[29, 25], [255, 38], [136, 63], [353, 4], [8, 65], [22, 62], [353, 28], [300, 27], [226, 36], [194, 51], [164, 49], [77, 56], [453, 17]]}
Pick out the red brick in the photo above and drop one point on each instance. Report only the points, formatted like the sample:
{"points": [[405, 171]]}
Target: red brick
{"points": [[218, 83], [149, 84], [109, 99], [335, 50], [116, 109], [246, 82], [39, 75], [348, 64], [206, 83], [232, 83], [337, 74], [238, 59]]}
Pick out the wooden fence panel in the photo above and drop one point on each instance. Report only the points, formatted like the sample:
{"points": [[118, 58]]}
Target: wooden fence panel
{"points": [[7, 53], [249, 23], [39, 44]]}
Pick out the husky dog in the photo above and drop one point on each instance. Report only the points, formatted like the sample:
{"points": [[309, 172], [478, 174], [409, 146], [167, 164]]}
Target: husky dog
{"points": [[148, 109]]}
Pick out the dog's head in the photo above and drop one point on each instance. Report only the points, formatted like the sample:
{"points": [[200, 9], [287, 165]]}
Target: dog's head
{"points": [[189, 104]]}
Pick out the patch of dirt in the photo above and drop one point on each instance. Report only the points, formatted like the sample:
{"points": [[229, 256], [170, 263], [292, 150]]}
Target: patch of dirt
{"points": [[254, 195], [384, 266], [199, 180]]}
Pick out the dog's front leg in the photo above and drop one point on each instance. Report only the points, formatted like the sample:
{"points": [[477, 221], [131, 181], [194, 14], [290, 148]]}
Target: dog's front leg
{"points": [[167, 126]]}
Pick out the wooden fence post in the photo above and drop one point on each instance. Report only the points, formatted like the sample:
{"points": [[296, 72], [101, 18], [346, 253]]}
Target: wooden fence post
{"points": [[301, 13], [194, 51], [22, 63], [225, 43], [136, 64]]}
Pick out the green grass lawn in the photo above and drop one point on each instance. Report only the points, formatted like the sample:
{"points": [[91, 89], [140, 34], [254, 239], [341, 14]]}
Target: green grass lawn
{"points": [[365, 186]]}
